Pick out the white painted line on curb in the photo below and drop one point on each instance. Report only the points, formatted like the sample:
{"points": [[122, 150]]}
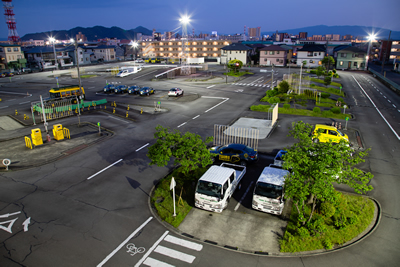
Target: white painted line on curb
{"points": [[210, 86], [195, 117], [118, 119], [217, 105], [25, 102], [245, 193], [181, 125], [4, 107], [151, 249], [142, 147], [104, 169], [123, 243]]}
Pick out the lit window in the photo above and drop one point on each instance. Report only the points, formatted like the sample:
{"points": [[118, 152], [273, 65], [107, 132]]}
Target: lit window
{"points": [[161, 43], [341, 63]]}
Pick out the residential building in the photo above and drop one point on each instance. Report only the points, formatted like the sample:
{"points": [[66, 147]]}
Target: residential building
{"points": [[42, 57], [254, 33], [11, 57], [311, 54], [350, 58], [81, 37], [235, 51], [32, 42], [395, 54], [273, 55], [303, 35]]}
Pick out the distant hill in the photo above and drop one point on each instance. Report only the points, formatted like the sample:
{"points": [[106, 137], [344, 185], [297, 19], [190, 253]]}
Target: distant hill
{"points": [[342, 30], [92, 33]]}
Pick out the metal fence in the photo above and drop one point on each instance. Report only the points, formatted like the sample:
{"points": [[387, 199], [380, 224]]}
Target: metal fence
{"points": [[224, 134]]}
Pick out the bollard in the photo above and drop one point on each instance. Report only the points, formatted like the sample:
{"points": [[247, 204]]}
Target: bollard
{"points": [[340, 126], [16, 112], [113, 110], [127, 114], [141, 111], [128, 107], [105, 106], [333, 123], [336, 125]]}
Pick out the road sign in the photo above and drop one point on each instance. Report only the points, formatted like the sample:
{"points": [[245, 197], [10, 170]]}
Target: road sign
{"points": [[347, 118], [172, 187]]}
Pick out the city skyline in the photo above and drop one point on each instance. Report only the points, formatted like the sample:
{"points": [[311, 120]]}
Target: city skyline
{"points": [[47, 15]]}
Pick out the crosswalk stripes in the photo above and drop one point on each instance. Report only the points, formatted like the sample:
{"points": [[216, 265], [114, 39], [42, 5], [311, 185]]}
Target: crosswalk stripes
{"points": [[252, 84], [171, 253]]}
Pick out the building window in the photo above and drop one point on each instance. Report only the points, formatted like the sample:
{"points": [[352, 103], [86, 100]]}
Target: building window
{"points": [[265, 53], [309, 54], [343, 54], [311, 61], [277, 60], [265, 59], [341, 63], [277, 52], [16, 49], [355, 64], [8, 49], [272, 52], [315, 54]]}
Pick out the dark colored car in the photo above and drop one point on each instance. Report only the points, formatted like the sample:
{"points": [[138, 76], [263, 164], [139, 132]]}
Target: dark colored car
{"points": [[109, 88], [9, 74], [147, 91], [134, 89], [121, 89], [234, 153]]}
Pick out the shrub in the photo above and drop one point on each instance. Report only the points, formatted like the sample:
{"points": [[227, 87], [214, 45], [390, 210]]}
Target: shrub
{"points": [[312, 85], [286, 106], [316, 110], [327, 209], [335, 110], [340, 99], [327, 243], [273, 100], [271, 93], [303, 232], [283, 87], [325, 95]]}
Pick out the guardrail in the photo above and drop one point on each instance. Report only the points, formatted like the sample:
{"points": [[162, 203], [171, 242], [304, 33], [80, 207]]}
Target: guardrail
{"points": [[394, 86], [165, 72]]}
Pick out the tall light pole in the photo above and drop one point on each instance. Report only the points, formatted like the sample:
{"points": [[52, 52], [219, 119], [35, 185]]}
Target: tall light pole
{"points": [[77, 63], [53, 40], [184, 64], [370, 38], [134, 45]]}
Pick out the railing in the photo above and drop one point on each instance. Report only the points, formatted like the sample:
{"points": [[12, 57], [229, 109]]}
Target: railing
{"points": [[392, 84]]}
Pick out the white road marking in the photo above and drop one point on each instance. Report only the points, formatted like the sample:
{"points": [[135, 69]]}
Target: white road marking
{"points": [[394, 105], [104, 169], [183, 243], [217, 105], [245, 193], [151, 250], [181, 125], [142, 147], [12, 93], [210, 86], [389, 101], [4, 107], [384, 96], [398, 137], [144, 74], [26, 223], [195, 117], [25, 102], [174, 254], [9, 214], [118, 119], [123, 243], [156, 263], [11, 99]]}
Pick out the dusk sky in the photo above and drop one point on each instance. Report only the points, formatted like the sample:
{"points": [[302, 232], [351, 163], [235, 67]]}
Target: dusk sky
{"points": [[226, 17]]}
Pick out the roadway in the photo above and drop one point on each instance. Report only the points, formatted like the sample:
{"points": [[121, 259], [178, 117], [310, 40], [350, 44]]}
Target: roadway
{"points": [[86, 222]]}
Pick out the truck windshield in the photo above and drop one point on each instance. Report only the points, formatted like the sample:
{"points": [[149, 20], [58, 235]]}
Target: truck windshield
{"points": [[268, 190], [209, 189]]}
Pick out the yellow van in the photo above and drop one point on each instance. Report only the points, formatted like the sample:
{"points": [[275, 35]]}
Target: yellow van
{"points": [[325, 133]]}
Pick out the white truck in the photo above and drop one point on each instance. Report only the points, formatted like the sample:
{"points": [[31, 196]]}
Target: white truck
{"points": [[217, 185], [125, 71], [268, 192], [197, 60]]}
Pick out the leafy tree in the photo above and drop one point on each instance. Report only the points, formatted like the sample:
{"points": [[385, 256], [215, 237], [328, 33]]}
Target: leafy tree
{"points": [[188, 149], [320, 71], [327, 80], [316, 166], [235, 65], [328, 61], [283, 87]]}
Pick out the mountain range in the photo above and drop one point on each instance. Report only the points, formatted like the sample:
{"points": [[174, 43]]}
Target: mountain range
{"points": [[100, 32]]}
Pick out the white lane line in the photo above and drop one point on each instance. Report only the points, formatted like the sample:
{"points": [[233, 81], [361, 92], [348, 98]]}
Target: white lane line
{"points": [[245, 193], [91, 87], [12, 93], [142, 147], [389, 101], [394, 105], [156, 263], [151, 249], [4, 107], [144, 74], [217, 105], [25, 102], [384, 96], [174, 254], [104, 169], [9, 214], [181, 125], [123, 243], [195, 117], [118, 119], [183, 243], [210, 86], [11, 99], [398, 137]]}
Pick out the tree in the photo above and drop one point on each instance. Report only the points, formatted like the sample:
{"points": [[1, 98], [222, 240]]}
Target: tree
{"points": [[320, 71], [235, 65], [328, 61], [188, 149], [316, 166], [327, 80], [283, 87]]}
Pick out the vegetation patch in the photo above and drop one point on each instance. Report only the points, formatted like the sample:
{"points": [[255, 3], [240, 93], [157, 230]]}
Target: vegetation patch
{"points": [[88, 76], [237, 74]]}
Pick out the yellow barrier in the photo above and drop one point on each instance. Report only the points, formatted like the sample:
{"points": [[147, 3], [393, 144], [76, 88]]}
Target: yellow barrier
{"points": [[28, 142], [66, 133], [36, 136], [58, 132]]}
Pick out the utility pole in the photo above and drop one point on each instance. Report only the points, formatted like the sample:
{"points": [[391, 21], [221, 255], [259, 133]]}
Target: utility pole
{"points": [[384, 56], [77, 66], [272, 82]]}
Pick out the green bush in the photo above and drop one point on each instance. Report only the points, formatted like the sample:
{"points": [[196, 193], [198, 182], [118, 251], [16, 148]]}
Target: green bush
{"points": [[327, 243], [327, 209], [335, 110], [316, 110], [325, 95], [286, 106], [273, 100], [340, 99], [271, 93]]}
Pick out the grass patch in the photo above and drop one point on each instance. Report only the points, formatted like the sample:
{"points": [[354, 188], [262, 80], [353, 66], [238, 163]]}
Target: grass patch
{"points": [[322, 81], [355, 215], [237, 74], [88, 76], [301, 112], [162, 195]]}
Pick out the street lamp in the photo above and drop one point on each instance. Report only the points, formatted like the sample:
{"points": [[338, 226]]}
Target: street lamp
{"points": [[134, 45], [53, 40], [77, 64], [185, 21], [370, 38]]}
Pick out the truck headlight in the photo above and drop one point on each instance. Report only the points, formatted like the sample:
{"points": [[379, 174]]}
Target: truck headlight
{"points": [[217, 206]]}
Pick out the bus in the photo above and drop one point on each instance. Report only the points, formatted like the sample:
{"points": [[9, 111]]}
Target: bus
{"points": [[155, 60], [67, 91], [147, 60]]}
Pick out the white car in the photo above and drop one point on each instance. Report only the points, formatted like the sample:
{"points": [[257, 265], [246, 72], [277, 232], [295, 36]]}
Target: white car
{"points": [[139, 60], [175, 92]]}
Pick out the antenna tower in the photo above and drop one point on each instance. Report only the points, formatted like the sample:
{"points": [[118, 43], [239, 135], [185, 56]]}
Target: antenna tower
{"points": [[10, 21]]}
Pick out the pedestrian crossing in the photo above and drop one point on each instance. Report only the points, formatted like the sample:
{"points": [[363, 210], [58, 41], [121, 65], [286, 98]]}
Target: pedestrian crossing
{"points": [[253, 84], [170, 250]]}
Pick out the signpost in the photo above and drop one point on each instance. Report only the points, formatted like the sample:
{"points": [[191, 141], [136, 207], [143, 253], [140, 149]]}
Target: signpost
{"points": [[98, 124], [344, 109], [347, 119], [172, 187]]}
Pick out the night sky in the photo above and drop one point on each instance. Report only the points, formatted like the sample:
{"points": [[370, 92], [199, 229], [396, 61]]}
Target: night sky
{"points": [[225, 17]]}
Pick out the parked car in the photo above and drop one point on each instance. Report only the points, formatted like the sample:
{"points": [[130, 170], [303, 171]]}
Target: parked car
{"points": [[278, 160], [109, 88], [2, 75], [139, 60], [121, 89], [9, 74], [147, 91], [235, 153], [175, 92], [134, 89], [326, 133]]}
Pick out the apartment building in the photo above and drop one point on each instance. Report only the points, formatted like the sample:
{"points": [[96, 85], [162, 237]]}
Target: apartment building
{"points": [[11, 56]]}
